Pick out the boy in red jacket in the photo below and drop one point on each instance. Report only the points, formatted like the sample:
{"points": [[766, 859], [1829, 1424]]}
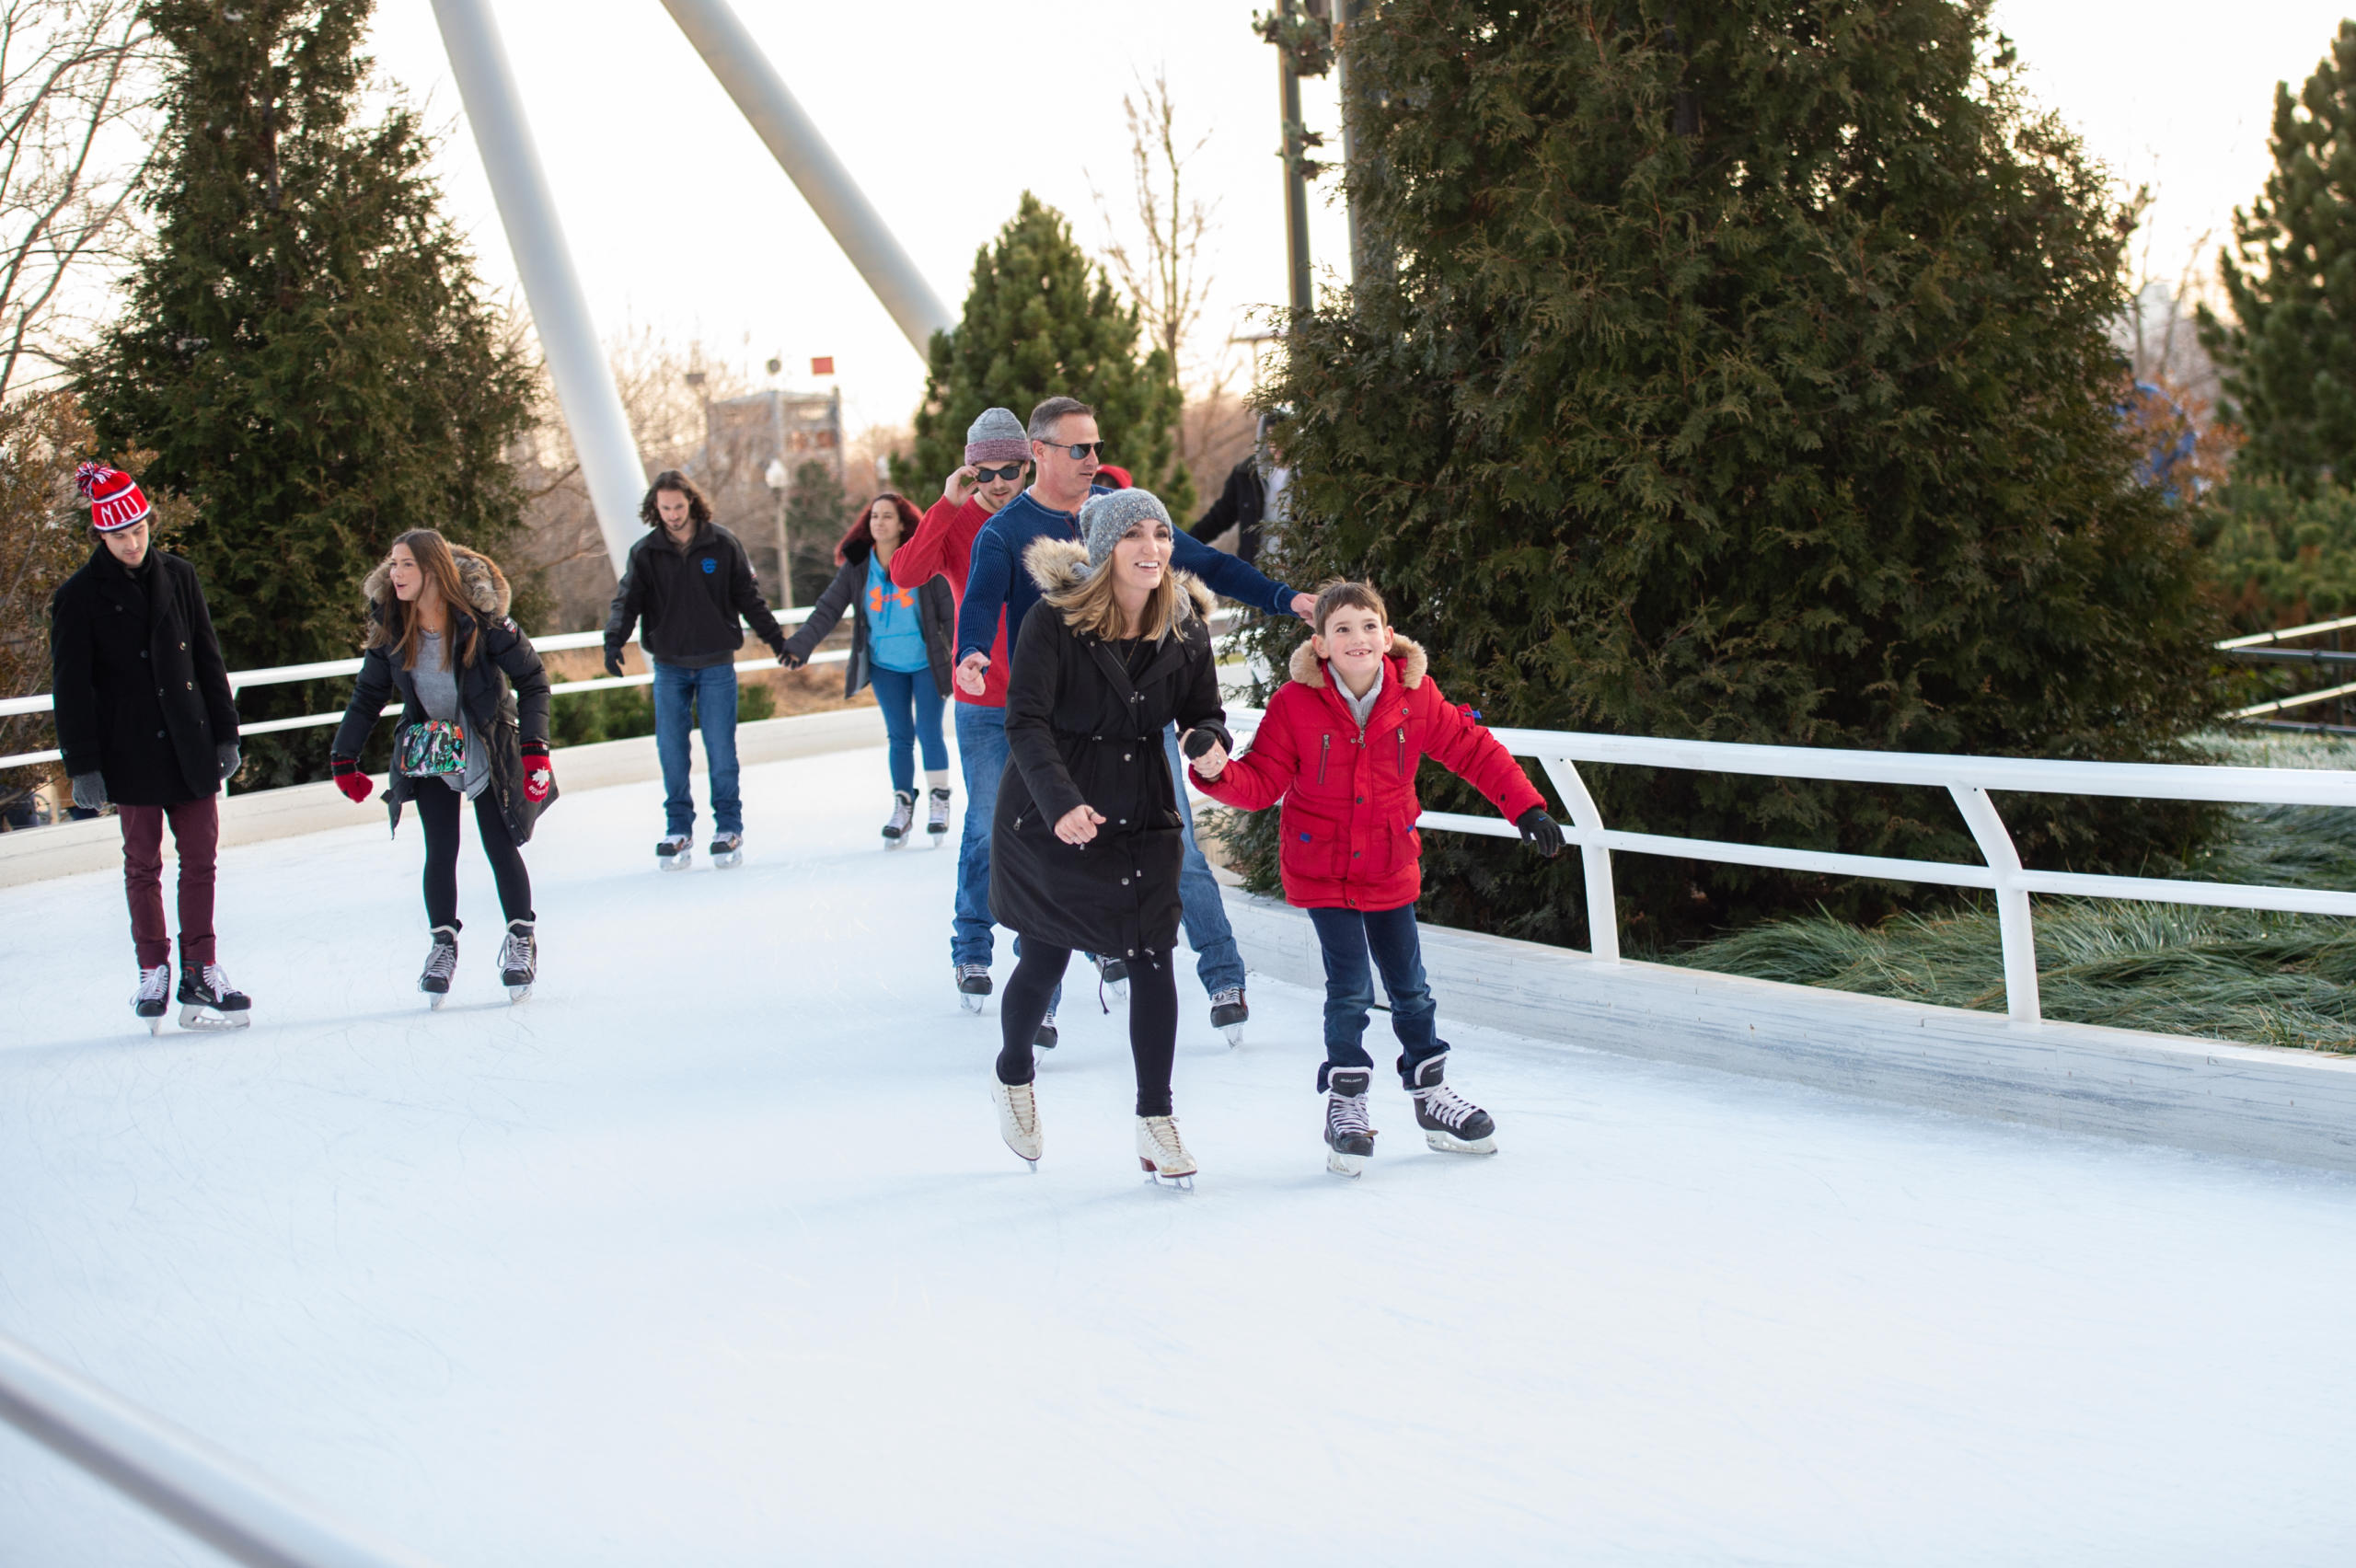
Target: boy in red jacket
{"points": [[1339, 745]]}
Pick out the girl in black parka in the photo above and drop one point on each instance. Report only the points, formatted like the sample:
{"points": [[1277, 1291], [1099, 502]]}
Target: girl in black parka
{"points": [[474, 726], [1086, 845]]}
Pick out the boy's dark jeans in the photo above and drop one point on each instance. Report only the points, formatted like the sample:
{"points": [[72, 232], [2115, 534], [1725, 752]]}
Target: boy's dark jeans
{"points": [[1348, 937]]}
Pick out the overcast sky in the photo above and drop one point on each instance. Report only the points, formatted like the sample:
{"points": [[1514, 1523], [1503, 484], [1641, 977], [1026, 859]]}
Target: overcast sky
{"points": [[679, 220]]}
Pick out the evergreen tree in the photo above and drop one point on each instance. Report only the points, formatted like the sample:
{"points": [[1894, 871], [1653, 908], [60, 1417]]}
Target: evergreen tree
{"points": [[1040, 321], [817, 510], [1743, 374], [303, 347], [2289, 359]]}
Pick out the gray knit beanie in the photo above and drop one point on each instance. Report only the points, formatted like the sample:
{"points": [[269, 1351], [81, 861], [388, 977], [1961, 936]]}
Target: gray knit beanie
{"points": [[1107, 517], [996, 437]]}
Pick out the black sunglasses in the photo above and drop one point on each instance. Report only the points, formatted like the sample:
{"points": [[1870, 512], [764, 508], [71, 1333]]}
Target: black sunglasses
{"points": [[1078, 449], [1011, 471]]}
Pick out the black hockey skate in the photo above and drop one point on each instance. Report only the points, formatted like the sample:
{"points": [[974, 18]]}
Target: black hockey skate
{"points": [[936, 822], [973, 985], [1230, 1012], [1046, 1037], [441, 963], [519, 960], [154, 996], [1451, 1124], [1112, 974], [674, 852], [727, 851], [1349, 1135], [209, 1001], [904, 816]]}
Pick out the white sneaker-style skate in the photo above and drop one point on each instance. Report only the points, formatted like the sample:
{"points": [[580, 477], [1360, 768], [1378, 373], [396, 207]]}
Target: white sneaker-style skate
{"points": [[1451, 1124], [674, 852], [936, 822], [904, 813], [727, 851], [1018, 1120], [519, 960], [1349, 1133], [153, 997], [441, 963], [1163, 1154], [1230, 1012], [973, 985], [209, 1001]]}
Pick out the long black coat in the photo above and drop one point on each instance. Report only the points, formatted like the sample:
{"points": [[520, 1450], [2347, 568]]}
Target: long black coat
{"points": [[142, 694], [936, 614], [686, 604], [1079, 731], [1242, 505], [504, 693]]}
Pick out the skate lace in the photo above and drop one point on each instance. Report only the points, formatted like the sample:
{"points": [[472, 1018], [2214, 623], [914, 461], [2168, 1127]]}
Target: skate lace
{"points": [[1227, 996], [216, 980], [1163, 1131], [1022, 1103], [443, 961], [520, 951], [1348, 1113], [939, 805], [968, 970], [1448, 1106], [155, 983], [904, 811]]}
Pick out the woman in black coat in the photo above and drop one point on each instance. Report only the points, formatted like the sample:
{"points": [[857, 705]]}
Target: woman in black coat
{"points": [[1086, 845], [899, 644], [145, 719], [474, 725]]}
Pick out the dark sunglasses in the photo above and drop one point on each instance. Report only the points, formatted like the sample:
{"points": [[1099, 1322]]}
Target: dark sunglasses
{"points": [[1078, 449], [1011, 471]]}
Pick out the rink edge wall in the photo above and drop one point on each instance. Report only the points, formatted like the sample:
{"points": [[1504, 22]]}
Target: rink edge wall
{"points": [[2211, 1096], [69, 848]]}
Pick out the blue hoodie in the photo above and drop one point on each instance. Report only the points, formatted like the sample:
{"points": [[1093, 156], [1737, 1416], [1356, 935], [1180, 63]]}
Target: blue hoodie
{"points": [[997, 581]]}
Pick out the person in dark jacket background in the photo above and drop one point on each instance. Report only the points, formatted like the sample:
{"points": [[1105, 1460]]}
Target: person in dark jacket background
{"points": [[474, 726], [1086, 850], [1253, 504], [899, 645], [145, 719], [686, 586]]}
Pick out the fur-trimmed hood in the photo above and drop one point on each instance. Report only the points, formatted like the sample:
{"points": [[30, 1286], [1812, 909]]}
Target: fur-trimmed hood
{"points": [[486, 586], [1309, 670], [1058, 566]]}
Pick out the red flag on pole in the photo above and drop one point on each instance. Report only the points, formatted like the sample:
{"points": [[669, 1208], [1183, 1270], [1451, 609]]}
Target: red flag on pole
{"points": [[823, 365]]}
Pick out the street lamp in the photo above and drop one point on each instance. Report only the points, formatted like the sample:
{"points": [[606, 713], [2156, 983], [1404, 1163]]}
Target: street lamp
{"points": [[776, 477]]}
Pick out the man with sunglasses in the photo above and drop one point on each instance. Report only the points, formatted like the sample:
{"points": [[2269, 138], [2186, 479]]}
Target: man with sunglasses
{"points": [[1067, 451], [998, 452]]}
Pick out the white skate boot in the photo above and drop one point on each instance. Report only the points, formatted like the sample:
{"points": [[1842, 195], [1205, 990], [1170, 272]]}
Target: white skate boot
{"points": [[1018, 1120], [903, 814], [674, 852], [936, 822], [1163, 1154]]}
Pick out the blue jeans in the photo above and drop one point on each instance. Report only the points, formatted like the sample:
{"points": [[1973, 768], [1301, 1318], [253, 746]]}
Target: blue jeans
{"points": [[911, 706], [981, 751], [1217, 962], [683, 697], [1346, 937]]}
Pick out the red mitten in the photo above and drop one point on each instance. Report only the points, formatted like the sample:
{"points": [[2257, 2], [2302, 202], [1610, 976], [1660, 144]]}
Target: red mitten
{"points": [[537, 777], [350, 780]]}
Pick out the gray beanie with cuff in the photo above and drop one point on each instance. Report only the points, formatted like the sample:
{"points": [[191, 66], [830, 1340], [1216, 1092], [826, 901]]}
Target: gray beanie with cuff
{"points": [[1107, 517], [997, 437]]}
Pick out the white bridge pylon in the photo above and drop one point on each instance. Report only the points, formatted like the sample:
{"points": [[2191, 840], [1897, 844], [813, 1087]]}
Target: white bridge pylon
{"points": [[585, 383]]}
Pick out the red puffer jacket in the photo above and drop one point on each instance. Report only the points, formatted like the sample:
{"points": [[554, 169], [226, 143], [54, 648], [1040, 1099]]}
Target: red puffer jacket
{"points": [[1350, 806]]}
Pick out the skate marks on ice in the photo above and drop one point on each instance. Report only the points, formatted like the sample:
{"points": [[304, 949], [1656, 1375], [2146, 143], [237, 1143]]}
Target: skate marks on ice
{"points": [[712, 1246]]}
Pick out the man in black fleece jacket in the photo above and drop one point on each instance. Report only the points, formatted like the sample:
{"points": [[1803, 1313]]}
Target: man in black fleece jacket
{"points": [[687, 583]]}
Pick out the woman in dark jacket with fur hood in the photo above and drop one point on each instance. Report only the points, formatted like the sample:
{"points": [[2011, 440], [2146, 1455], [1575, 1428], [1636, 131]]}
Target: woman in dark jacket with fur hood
{"points": [[899, 644], [474, 726], [1086, 847]]}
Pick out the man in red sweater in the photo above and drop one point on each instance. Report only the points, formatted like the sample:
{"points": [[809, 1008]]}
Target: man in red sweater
{"points": [[998, 451]]}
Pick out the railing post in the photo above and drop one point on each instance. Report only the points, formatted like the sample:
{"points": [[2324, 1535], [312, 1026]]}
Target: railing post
{"points": [[2019, 937], [1602, 906]]}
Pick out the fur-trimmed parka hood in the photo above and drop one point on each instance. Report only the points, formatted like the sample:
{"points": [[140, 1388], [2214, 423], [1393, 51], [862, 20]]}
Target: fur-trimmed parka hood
{"points": [[1309, 670], [1058, 566], [487, 592]]}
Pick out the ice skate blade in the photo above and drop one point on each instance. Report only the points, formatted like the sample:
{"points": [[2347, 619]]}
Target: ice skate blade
{"points": [[728, 862], [1234, 1032], [673, 863], [1120, 989], [517, 993], [1154, 1178], [195, 1017], [433, 1000], [1341, 1164], [1445, 1144], [971, 1002], [155, 1025]]}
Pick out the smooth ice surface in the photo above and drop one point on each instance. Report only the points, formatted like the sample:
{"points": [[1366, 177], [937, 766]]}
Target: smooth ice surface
{"points": [[709, 1253]]}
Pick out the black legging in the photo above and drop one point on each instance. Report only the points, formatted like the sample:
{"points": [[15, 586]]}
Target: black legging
{"points": [[437, 807], [1153, 1017]]}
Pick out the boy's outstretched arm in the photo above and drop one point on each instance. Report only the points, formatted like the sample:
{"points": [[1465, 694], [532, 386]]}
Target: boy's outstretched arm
{"points": [[1463, 745]]}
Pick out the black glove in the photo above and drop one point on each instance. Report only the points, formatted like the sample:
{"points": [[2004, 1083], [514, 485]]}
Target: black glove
{"points": [[790, 659], [613, 662], [1199, 739], [89, 790], [1540, 832], [227, 755]]}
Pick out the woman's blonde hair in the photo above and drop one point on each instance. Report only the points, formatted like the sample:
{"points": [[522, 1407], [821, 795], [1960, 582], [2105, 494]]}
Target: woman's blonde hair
{"points": [[1088, 607]]}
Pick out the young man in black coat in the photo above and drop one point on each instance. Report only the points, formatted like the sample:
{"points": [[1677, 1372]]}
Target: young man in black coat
{"points": [[1253, 501], [686, 586], [145, 720]]}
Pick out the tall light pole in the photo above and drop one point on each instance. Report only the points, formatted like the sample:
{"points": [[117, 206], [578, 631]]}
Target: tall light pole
{"points": [[1304, 39]]}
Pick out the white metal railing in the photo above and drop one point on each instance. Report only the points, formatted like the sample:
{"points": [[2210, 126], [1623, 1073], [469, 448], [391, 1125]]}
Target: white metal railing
{"points": [[246, 1517], [1968, 781]]}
